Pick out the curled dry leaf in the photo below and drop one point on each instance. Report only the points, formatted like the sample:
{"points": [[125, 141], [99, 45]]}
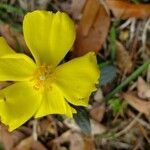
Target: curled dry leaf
{"points": [[143, 89], [13, 38], [137, 103], [93, 28], [124, 9], [123, 58]]}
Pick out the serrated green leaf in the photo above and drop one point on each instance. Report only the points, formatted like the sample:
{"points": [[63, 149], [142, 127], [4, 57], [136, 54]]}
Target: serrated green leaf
{"points": [[108, 74], [82, 119]]}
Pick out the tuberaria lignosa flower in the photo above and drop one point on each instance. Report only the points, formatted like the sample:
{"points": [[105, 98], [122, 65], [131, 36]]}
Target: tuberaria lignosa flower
{"points": [[42, 85]]}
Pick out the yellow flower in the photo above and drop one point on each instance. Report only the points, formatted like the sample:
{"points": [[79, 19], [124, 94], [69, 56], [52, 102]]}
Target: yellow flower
{"points": [[44, 87]]}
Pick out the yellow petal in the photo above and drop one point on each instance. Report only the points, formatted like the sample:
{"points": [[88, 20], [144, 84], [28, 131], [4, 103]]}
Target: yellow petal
{"points": [[49, 36], [16, 67], [53, 102], [5, 48], [18, 103], [77, 78]]}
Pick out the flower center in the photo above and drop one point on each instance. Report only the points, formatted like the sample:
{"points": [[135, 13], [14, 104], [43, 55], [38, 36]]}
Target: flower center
{"points": [[43, 77]]}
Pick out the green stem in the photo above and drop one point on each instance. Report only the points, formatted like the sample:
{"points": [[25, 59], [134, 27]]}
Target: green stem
{"points": [[132, 77], [113, 42]]}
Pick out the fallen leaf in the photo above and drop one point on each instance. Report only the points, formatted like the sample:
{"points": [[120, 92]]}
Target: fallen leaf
{"points": [[123, 58], [143, 89], [93, 28], [124, 9], [29, 144], [8, 139], [74, 139], [76, 8], [98, 96], [47, 126], [137, 103], [89, 143], [97, 128], [14, 39], [97, 112]]}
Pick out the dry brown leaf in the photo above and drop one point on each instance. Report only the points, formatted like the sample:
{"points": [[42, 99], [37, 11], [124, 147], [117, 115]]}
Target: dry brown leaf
{"points": [[76, 8], [123, 58], [97, 112], [29, 144], [89, 143], [143, 88], [46, 126], [10, 139], [98, 96], [97, 128], [93, 28], [124, 9], [74, 139], [137, 103], [13, 37]]}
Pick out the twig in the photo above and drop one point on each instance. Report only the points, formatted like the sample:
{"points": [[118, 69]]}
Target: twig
{"points": [[144, 35], [34, 133], [142, 122], [126, 129], [127, 23], [132, 30]]}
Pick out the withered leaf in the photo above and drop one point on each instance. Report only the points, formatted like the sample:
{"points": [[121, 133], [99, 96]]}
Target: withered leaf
{"points": [[13, 38], [93, 28], [124, 9], [123, 58], [137, 103], [28, 144]]}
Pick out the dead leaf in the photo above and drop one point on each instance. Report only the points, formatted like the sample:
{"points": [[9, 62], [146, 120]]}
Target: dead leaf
{"points": [[29, 144], [143, 88], [93, 28], [98, 96], [124, 9], [8, 139], [97, 128], [76, 8], [13, 38], [97, 112], [46, 126], [137, 103], [89, 143], [74, 139], [123, 58]]}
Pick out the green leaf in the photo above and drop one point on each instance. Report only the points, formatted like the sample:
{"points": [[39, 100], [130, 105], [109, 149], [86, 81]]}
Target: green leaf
{"points": [[116, 105], [108, 74], [82, 119]]}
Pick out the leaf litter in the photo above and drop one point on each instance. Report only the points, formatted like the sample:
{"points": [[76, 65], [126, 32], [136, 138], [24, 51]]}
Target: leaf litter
{"points": [[118, 115]]}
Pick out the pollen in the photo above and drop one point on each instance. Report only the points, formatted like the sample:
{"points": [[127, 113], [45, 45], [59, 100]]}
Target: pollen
{"points": [[42, 76]]}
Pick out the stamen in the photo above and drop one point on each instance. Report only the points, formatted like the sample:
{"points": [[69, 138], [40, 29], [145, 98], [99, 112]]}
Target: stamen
{"points": [[42, 77]]}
